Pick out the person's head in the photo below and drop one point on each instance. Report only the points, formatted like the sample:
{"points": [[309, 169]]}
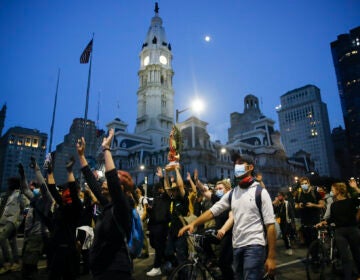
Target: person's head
{"points": [[281, 196], [104, 188], [13, 183], [33, 185], [222, 187], [35, 188], [140, 191], [305, 184], [243, 165], [321, 190], [66, 196], [173, 191], [159, 188], [339, 189]]}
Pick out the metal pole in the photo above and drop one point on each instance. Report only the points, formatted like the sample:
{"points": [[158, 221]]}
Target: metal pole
{"points": [[54, 110]]}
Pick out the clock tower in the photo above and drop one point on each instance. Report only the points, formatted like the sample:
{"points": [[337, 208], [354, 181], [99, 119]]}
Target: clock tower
{"points": [[155, 96]]}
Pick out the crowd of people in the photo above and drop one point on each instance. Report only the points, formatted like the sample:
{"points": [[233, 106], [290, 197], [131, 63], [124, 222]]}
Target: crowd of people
{"points": [[91, 224]]}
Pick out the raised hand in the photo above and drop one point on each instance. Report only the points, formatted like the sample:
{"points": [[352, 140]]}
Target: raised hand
{"points": [[159, 172], [33, 164], [188, 176], [107, 140], [196, 175], [80, 146], [48, 164]]}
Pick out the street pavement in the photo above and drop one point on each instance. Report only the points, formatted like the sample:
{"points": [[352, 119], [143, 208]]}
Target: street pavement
{"points": [[288, 267]]}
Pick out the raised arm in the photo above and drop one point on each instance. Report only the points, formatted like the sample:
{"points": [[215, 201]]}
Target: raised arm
{"points": [[179, 181], [192, 184], [117, 181], [24, 187], [44, 187], [353, 185], [89, 176]]}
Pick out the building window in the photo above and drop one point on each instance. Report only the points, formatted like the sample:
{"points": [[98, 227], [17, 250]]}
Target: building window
{"points": [[11, 139], [27, 142], [20, 141], [35, 143]]}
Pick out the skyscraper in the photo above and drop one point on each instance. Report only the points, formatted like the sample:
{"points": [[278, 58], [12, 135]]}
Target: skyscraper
{"points": [[346, 57], [2, 118], [304, 125], [17, 145]]}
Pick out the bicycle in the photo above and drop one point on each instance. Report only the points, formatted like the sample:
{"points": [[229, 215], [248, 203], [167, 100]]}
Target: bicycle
{"points": [[322, 257], [196, 267]]}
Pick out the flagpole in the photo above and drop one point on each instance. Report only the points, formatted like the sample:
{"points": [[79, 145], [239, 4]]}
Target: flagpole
{"points": [[54, 110], [88, 90]]}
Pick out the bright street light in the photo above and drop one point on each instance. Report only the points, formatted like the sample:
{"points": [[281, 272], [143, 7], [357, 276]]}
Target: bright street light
{"points": [[196, 106]]}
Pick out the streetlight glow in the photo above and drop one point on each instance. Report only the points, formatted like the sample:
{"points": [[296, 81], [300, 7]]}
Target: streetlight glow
{"points": [[197, 106]]}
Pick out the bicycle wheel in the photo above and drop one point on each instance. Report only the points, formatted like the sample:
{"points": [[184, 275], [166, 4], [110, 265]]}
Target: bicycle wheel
{"points": [[316, 261], [188, 271]]}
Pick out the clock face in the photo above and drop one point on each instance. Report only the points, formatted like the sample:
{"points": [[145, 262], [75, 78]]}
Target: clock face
{"points": [[146, 60], [163, 59]]}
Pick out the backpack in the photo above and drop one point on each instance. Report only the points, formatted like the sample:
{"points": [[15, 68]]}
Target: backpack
{"points": [[136, 240], [258, 204]]}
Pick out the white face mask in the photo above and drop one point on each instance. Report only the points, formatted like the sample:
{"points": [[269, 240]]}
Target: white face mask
{"points": [[305, 187], [239, 170], [219, 193]]}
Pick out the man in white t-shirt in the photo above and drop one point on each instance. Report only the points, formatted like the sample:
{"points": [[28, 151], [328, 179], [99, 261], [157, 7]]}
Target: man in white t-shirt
{"points": [[248, 239]]}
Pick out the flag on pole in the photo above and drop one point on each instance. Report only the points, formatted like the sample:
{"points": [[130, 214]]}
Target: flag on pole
{"points": [[84, 58]]}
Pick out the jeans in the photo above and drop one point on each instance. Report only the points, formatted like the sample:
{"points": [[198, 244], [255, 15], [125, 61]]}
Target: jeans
{"points": [[248, 262]]}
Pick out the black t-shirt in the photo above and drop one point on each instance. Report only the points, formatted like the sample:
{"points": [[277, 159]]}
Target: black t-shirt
{"points": [[343, 212], [180, 207], [222, 218], [160, 210], [309, 215]]}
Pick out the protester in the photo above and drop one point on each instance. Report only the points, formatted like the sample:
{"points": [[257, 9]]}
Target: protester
{"points": [[309, 204], [10, 217], [176, 248], [159, 218], [64, 259], [109, 257], [347, 234], [85, 231], [224, 224], [249, 253], [285, 216], [142, 208], [37, 221]]}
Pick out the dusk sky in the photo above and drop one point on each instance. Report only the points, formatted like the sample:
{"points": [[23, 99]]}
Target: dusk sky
{"points": [[264, 48]]}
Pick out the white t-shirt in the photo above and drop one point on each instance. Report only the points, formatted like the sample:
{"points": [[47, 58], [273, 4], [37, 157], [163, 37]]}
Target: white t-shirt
{"points": [[140, 207], [248, 228]]}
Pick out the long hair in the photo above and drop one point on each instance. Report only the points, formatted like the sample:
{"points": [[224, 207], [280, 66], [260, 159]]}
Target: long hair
{"points": [[341, 188]]}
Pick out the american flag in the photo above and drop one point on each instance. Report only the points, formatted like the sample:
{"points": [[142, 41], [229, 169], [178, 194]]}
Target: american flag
{"points": [[84, 58]]}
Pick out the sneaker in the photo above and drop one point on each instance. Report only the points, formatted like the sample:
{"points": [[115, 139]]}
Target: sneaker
{"points": [[289, 252], [154, 272], [15, 267]]}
